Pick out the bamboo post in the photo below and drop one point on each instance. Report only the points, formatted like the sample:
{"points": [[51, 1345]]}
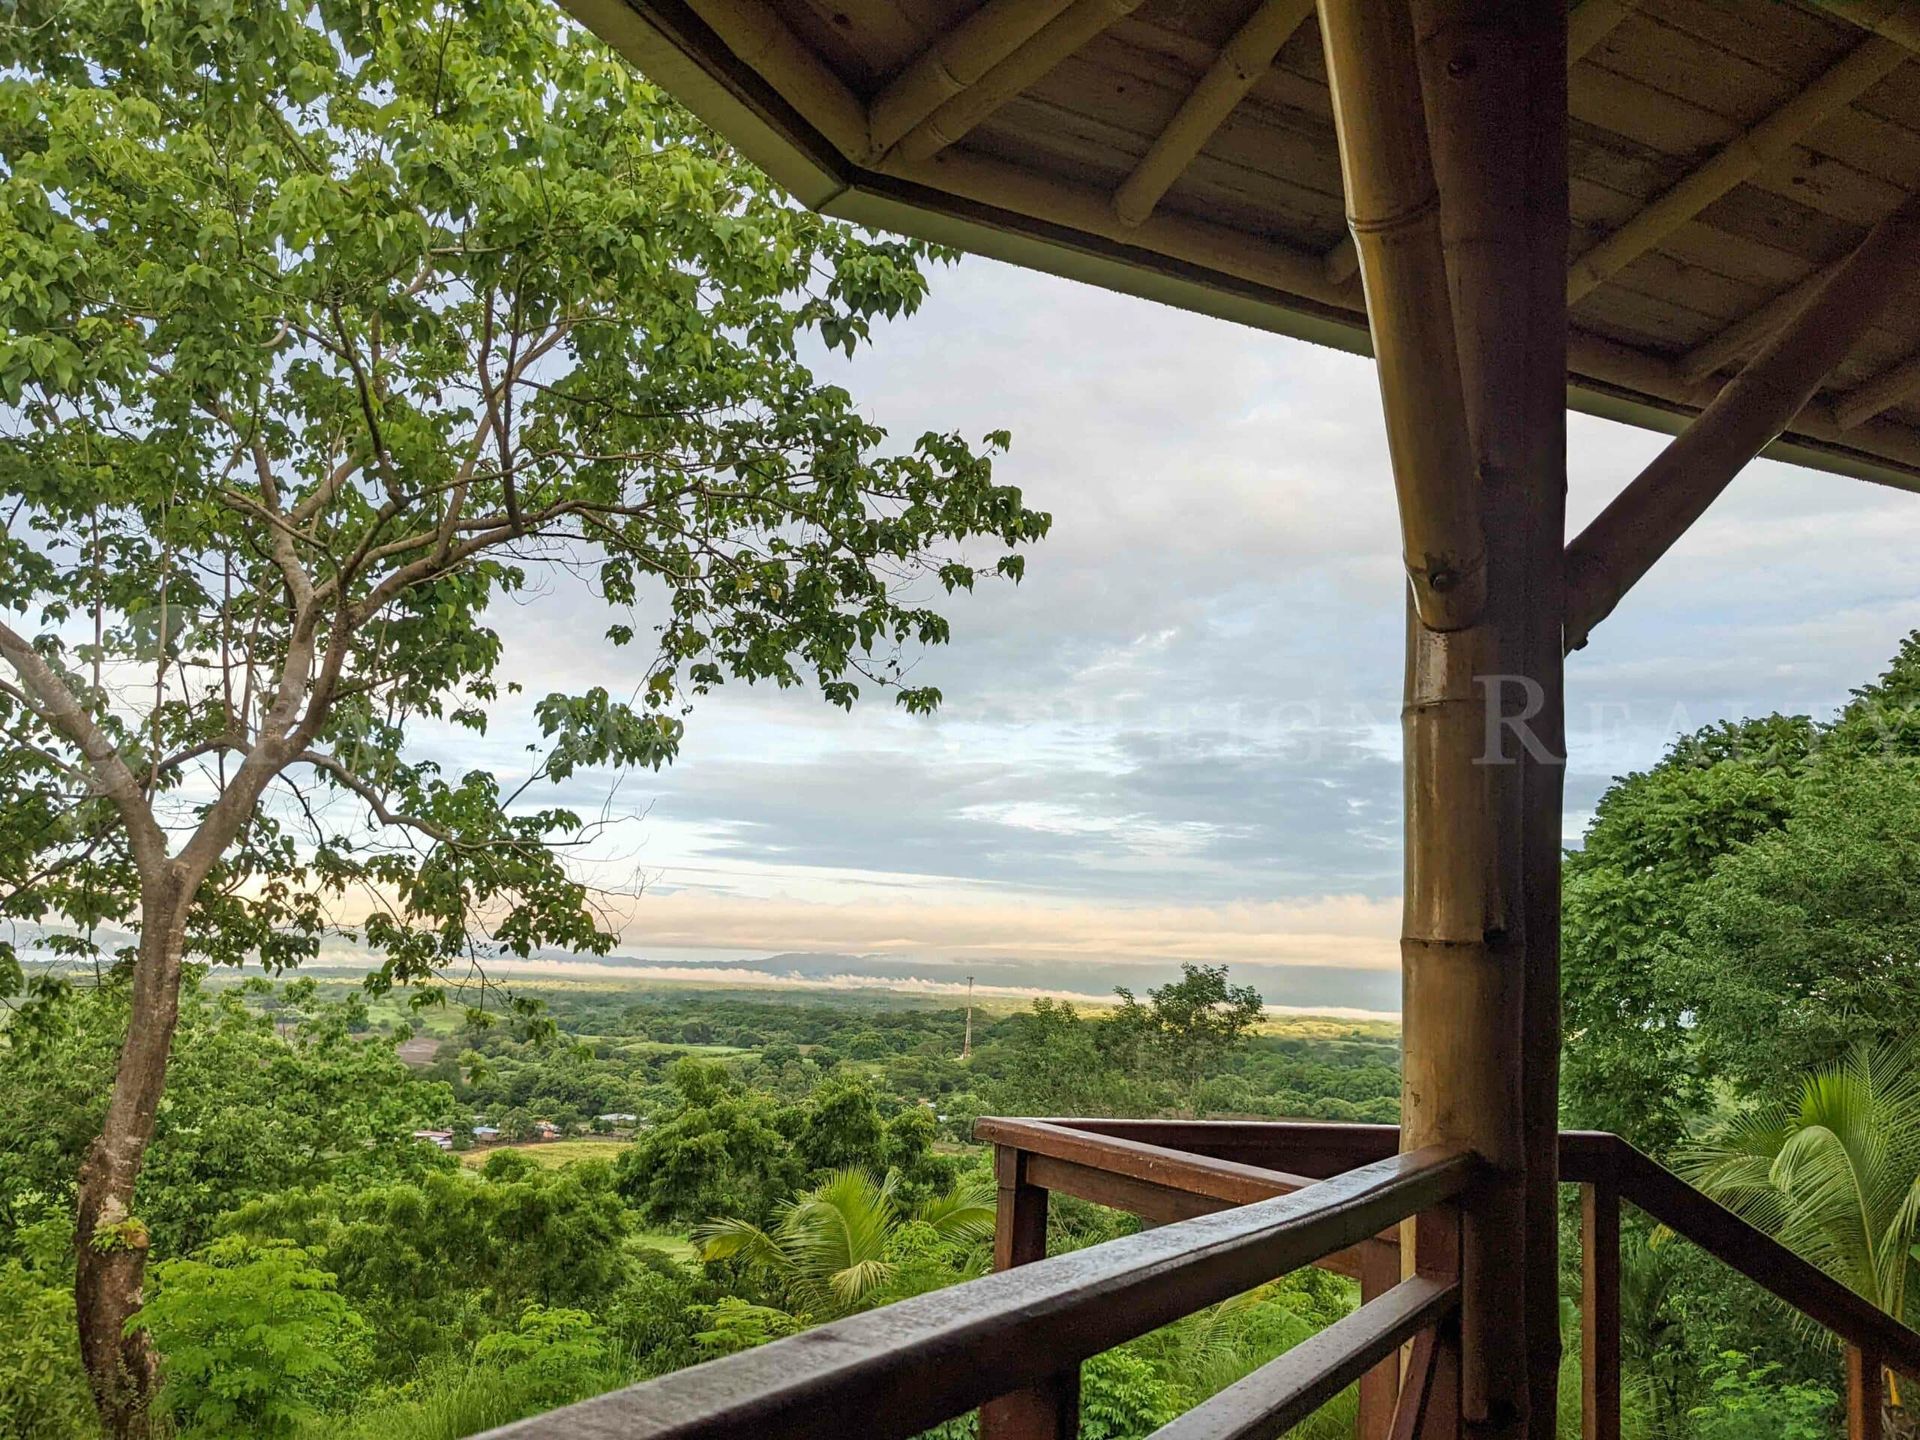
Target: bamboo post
{"points": [[1600, 1312], [1865, 1396], [954, 62], [1484, 721], [1592, 22], [1867, 65], [1050, 1411], [1241, 63], [1394, 213], [1664, 500], [1019, 70]]}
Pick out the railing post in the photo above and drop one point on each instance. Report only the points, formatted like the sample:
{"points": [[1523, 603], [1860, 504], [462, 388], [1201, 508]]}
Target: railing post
{"points": [[1380, 1386], [1600, 1310], [1050, 1410], [1866, 1387], [1436, 1252]]}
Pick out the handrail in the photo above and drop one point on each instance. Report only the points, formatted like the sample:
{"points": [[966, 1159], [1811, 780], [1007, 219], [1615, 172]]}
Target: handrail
{"points": [[1153, 1180], [1152, 1162], [1289, 1388], [1740, 1246], [912, 1364]]}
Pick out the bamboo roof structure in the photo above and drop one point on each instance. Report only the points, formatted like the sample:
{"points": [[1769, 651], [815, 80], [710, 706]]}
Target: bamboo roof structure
{"points": [[1726, 155]]}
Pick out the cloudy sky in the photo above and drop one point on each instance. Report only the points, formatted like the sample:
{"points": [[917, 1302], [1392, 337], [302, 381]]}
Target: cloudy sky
{"points": [[1178, 737]]}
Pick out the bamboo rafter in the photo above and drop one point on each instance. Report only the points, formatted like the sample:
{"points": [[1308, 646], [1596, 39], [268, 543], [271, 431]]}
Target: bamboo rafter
{"points": [[1393, 208], [1865, 66], [953, 63], [1895, 20], [1746, 335], [757, 35], [1883, 392], [1663, 501], [1241, 63], [1053, 42]]}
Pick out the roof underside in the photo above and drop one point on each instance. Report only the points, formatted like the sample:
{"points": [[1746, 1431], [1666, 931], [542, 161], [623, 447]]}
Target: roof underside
{"points": [[1704, 102]]}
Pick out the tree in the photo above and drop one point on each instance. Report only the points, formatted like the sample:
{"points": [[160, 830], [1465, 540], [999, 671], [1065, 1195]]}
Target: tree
{"points": [[830, 1247], [1836, 1177], [249, 1332], [1188, 1025], [1737, 912], [1806, 942], [324, 332]]}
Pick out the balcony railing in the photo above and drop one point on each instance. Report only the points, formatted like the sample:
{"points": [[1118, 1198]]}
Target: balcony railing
{"points": [[1235, 1204]]}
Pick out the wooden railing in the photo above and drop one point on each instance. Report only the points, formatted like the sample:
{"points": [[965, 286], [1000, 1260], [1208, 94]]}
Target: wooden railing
{"points": [[1014, 1341], [1234, 1204]]}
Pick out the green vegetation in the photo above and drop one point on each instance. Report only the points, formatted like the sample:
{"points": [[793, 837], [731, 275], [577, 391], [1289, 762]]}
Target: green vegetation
{"points": [[1742, 966], [316, 1270]]}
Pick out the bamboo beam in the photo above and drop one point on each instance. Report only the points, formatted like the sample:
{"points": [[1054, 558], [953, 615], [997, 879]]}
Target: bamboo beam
{"points": [[1241, 63], [1766, 142], [1592, 22], [1664, 500], [760, 38], [1883, 392], [1394, 212], [954, 62], [1053, 42], [1744, 336], [1895, 20]]}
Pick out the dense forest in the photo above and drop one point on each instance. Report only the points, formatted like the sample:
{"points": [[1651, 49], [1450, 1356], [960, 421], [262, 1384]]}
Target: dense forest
{"points": [[322, 1266]]}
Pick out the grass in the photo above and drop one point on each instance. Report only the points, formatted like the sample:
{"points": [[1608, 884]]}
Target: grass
{"points": [[678, 1246], [550, 1154]]}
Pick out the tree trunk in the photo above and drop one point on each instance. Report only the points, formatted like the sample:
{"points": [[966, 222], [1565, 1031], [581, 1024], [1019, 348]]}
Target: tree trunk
{"points": [[110, 1243]]}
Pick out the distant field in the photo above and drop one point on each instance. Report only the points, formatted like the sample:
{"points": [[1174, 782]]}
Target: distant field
{"points": [[551, 1154]]}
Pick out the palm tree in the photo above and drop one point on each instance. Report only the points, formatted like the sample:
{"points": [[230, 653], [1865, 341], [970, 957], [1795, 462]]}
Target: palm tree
{"points": [[833, 1247], [1836, 1177]]}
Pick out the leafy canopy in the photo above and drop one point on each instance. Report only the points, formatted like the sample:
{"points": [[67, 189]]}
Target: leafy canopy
{"points": [[323, 332]]}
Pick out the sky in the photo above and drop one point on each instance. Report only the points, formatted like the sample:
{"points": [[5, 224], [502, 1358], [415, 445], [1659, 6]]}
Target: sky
{"points": [[1177, 739]]}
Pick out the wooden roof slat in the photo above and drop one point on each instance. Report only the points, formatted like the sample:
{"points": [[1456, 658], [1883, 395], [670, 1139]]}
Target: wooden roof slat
{"points": [[1870, 63], [1220, 90], [1246, 215], [955, 61], [1590, 23], [1894, 387], [1027, 63]]}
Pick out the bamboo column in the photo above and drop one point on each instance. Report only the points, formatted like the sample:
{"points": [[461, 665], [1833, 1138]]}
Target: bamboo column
{"points": [[1482, 119], [1483, 719]]}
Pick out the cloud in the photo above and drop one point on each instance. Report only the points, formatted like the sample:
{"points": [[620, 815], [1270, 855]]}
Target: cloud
{"points": [[1188, 712]]}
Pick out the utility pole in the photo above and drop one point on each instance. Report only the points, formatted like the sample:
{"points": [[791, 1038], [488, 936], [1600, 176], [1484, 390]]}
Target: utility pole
{"points": [[966, 1046]]}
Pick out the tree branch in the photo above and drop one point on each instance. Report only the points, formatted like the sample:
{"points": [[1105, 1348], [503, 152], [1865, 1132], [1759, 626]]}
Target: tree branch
{"points": [[55, 704]]}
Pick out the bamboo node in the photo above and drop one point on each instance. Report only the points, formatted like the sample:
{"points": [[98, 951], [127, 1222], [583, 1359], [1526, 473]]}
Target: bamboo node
{"points": [[1403, 218]]}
